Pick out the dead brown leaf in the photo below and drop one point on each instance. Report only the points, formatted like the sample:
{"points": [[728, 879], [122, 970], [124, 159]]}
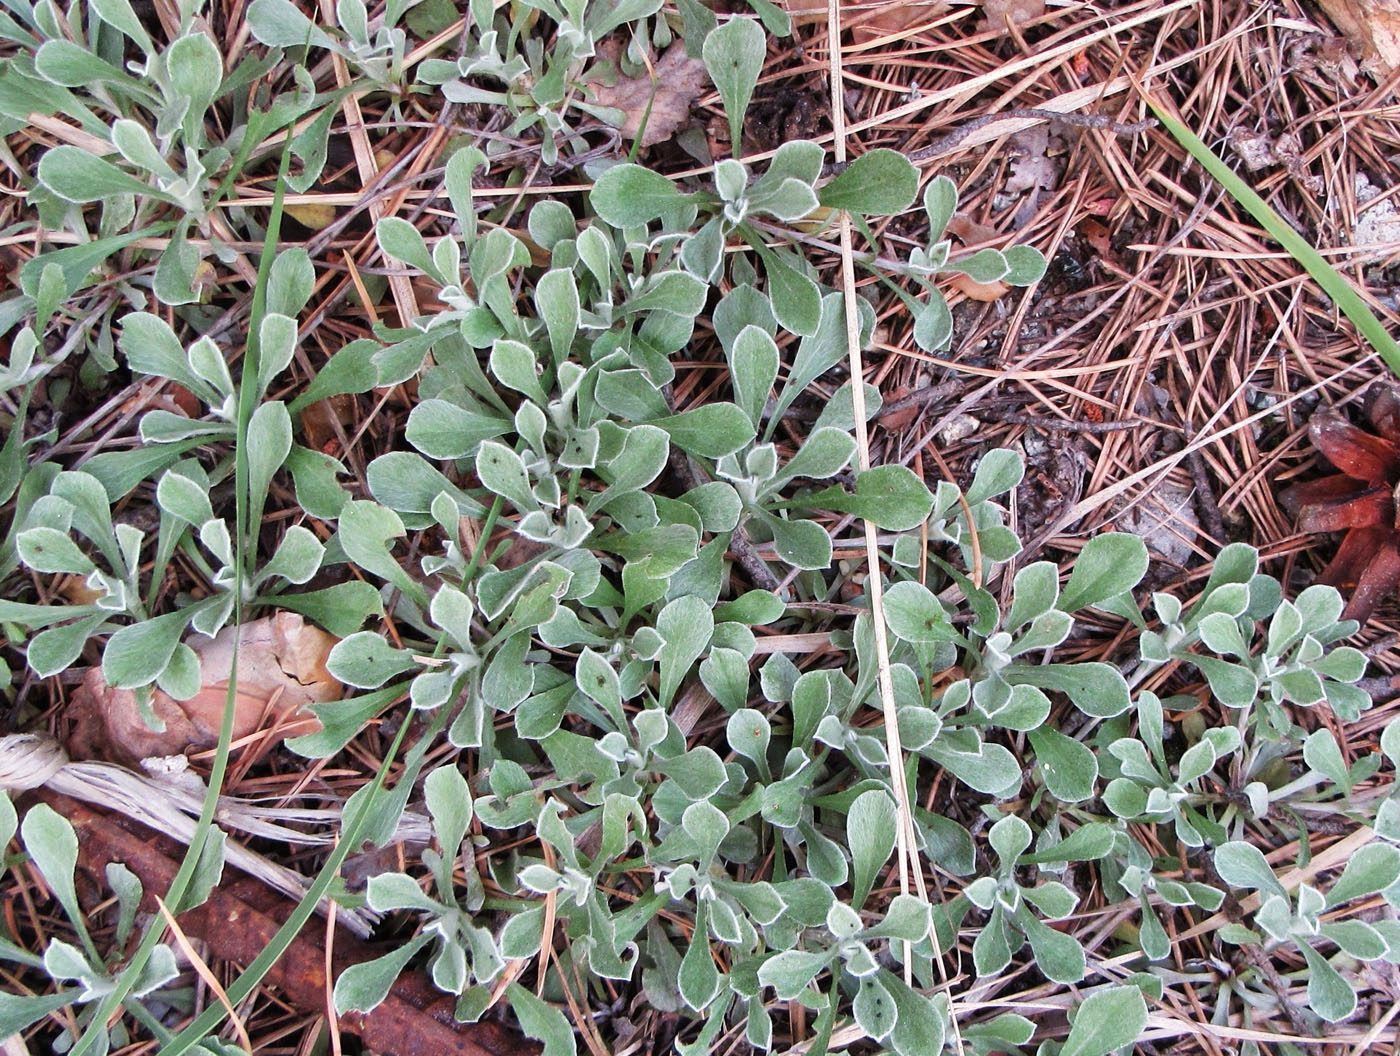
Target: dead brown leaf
{"points": [[978, 291], [1373, 24], [281, 670], [1002, 13], [680, 80]]}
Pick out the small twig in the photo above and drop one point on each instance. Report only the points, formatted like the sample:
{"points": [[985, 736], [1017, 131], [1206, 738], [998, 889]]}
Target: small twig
{"points": [[1206, 505], [920, 397], [947, 143], [1064, 425]]}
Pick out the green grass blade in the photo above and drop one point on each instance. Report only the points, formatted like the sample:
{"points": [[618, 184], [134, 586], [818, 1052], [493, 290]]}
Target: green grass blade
{"points": [[1333, 283]]}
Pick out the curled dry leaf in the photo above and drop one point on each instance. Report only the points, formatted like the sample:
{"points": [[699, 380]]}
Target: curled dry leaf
{"points": [[281, 670], [1360, 501], [977, 291], [680, 80]]}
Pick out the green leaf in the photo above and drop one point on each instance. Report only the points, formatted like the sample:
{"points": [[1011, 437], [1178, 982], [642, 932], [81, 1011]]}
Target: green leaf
{"points": [[441, 429], [1087, 843], [629, 196], [802, 544], [920, 1027], [1069, 768], [870, 834], [874, 1009], [77, 176], [686, 625], [699, 979], [709, 431], [1096, 689], [48, 550], [878, 183], [915, 614], [1375, 867], [365, 531], [790, 972], [891, 497], [137, 654], [1109, 565], [1107, 1020], [363, 987], [1242, 864], [366, 661], [753, 368], [53, 847], [1329, 994], [542, 1021], [19, 1013], [733, 55]]}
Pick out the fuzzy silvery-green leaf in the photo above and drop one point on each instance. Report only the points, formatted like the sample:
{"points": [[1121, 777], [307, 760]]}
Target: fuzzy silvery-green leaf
{"points": [[699, 978], [891, 497], [366, 660], [733, 55], [685, 625], [801, 543], [1242, 864], [870, 834], [48, 550], [874, 1009], [985, 266], [915, 614], [1096, 689], [1026, 265], [1057, 954], [790, 971], [363, 987], [280, 24], [366, 529], [1329, 994], [441, 429], [1322, 754], [753, 368], [542, 1021], [52, 846], [920, 1026], [940, 199], [878, 183], [709, 431], [1107, 1021], [18, 1013], [138, 652], [55, 649], [195, 69], [629, 195], [77, 176], [1087, 843], [1374, 867], [1070, 769], [1108, 565], [748, 733]]}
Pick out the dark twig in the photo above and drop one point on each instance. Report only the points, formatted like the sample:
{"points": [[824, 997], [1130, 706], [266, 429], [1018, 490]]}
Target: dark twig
{"points": [[1206, 505]]}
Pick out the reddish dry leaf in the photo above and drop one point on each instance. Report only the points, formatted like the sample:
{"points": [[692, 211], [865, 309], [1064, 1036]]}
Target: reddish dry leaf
{"points": [[680, 80], [281, 670], [1354, 451]]}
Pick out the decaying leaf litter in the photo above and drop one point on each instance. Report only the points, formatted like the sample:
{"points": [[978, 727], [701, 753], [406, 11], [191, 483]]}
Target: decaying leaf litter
{"points": [[1166, 318]]}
